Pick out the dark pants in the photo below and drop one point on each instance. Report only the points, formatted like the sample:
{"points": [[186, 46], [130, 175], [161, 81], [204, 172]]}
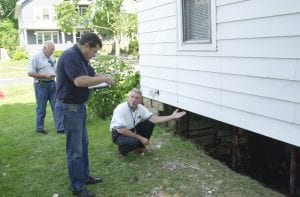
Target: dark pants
{"points": [[127, 144]]}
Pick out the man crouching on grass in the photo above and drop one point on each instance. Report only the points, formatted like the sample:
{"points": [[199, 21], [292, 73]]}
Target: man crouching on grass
{"points": [[132, 124]]}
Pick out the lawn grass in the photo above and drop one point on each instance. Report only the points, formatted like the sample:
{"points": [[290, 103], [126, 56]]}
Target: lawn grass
{"points": [[35, 165], [13, 69]]}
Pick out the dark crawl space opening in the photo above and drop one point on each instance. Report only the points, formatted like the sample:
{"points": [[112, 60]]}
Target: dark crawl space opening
{"points": [[257, 156]]}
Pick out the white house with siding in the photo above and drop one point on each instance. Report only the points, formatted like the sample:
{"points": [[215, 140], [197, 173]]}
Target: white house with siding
{"points": [[37, 24], [36, 19], [235, 61]]}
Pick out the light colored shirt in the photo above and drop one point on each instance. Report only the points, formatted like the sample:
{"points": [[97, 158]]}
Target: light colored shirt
{"points": [[42, 64], [124, 117]]}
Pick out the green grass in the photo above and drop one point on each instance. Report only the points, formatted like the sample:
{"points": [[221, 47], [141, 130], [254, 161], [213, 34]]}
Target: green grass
{"points": [[13, 69], [35, 165]]}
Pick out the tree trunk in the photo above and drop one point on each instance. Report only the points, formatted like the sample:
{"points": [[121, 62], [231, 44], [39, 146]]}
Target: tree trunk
{"points": [[117, 46]]}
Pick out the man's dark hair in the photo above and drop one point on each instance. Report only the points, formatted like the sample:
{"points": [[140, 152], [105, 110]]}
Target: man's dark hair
{"points": [[91, 39]]}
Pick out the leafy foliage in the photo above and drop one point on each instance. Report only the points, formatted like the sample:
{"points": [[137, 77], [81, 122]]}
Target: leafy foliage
{"points": [[19, 54], [133, 47], [67, 16], [103, 101], [132, 24], [7, 8], [58, 53], [8, 35], [109, 18]]}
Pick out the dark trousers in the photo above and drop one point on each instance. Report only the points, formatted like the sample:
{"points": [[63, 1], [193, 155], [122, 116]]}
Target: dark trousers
{"points": [[127, 144]]}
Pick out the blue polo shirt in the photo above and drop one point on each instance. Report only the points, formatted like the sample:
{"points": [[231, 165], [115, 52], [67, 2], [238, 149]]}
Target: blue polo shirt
{"points": [[71, 65]]}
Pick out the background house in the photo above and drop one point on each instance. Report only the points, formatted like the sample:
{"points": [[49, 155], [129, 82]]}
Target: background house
{"points": [[235, 61], [36, 19], [37, 24]]}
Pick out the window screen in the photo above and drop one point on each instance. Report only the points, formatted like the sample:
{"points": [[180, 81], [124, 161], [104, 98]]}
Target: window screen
{"points": [[196, 21]]}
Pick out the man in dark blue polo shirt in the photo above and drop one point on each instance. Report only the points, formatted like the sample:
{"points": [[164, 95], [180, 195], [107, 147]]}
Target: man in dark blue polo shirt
{"points": [[74, 76]]}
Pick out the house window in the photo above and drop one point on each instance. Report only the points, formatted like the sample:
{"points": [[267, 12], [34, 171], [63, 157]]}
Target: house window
{"points": [[55, 37], [82, 11], [43, 36], [40, 38], [47, 35], [79, 34], [197, 24], [196, 21], [45, 13]]}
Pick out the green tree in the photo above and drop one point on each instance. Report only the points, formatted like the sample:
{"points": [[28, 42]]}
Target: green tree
{"points": [[109, 18], [7, 9], [106, 17], [8, 35], [67, 16], [8, 26]]}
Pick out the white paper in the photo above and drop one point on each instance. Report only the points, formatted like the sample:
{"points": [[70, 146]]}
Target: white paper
{"points": [[101, 85]]}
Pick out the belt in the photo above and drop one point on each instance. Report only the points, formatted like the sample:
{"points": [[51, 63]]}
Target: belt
{"points": [[42, 81]]}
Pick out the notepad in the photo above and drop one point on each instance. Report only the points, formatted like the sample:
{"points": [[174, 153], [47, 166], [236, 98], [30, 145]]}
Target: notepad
{"points": [[101, 85]]}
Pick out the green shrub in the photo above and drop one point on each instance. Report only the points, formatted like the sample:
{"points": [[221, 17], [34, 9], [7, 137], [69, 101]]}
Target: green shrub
{"points": [[133, 47], [103, 101], [8, 35], [19, 54], [123, 51], [58, 53]]}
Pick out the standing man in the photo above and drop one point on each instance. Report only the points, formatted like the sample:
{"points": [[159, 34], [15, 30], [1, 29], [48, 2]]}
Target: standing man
{"points": [[42, 69], [132, 124], [74, 76]]}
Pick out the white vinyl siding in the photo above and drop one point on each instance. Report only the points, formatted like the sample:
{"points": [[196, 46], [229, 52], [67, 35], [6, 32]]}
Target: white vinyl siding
{"points": [[248, 77]]}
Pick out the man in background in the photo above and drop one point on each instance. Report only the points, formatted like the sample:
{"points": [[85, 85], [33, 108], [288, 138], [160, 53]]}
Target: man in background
{"points": [[42, 69]]}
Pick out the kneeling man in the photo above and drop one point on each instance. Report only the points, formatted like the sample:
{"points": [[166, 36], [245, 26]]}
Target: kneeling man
{"points": [[132, 124]]}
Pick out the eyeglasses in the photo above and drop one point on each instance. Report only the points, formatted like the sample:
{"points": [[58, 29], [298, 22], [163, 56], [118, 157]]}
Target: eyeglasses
{"points": [[51, 63]]}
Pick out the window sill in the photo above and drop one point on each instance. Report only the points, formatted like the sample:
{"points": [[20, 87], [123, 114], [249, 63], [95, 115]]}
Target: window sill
{"points": [[197, 47]]}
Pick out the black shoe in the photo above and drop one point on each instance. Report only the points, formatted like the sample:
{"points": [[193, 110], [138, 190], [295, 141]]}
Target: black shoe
{"points": [[41, 131], [60, 131], [93, 180], [84, 193]]}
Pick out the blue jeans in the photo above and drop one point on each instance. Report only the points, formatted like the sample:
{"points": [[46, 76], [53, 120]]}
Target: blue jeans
{"points": [[74, 119], [45, 92]]}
